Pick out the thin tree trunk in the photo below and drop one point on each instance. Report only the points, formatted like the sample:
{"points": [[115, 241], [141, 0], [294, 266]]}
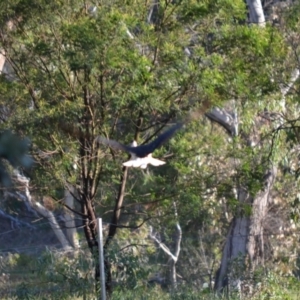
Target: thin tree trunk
{"points": [[113, 230], [9, 27], [113, 226], [172, 261], [2, 60], [173, 258]]}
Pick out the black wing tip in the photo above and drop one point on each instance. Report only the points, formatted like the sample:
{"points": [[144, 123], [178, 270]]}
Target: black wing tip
{"points": [[174, 128]]}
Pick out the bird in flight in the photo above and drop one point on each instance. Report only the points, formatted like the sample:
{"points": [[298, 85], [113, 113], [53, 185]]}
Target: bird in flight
{"points": [[141, 155], [142, 162]]}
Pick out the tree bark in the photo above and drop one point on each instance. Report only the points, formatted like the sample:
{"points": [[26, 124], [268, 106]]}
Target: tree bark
{"points": [[245, 238], [69, 217], [235, 247], [256, 12], [2, 60], [255, 245], [113, 229]]}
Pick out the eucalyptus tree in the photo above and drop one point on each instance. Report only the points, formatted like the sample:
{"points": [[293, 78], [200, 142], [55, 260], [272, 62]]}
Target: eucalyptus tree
{"points": [[123, 71], [253, 178], [79, 72]]}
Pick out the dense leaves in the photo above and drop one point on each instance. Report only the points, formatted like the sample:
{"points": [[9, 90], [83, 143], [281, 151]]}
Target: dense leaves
{"points": [[78, 71]]}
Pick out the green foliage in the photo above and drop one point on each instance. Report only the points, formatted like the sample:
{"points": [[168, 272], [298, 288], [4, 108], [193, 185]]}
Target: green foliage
{"points": [[80, 75], [49, 274], [275, 286]]}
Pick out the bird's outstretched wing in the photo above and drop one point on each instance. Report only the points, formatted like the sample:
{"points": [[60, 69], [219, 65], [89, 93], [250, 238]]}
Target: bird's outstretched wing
{"points": [[143, 150], [112, 143]]}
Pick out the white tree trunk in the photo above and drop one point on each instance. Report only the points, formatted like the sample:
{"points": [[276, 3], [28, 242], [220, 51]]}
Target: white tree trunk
{"points": [[233, 252], [256, 12], [255, 245], [43, 211], [2, 60], [53, 223], [9, 26], [245, 237], [69, 217]]}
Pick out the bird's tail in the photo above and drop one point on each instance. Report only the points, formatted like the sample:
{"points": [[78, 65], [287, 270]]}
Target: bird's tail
{"points": [[135, 163], [156, 162], [143, 162]]}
